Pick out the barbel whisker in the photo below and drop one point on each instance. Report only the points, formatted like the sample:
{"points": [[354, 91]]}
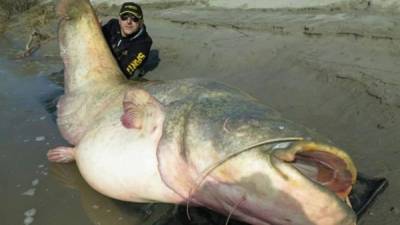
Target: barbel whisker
{"points": [[233, 209]]}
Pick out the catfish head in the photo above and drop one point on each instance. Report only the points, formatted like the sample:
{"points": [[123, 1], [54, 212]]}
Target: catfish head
{"points": [[234, 155]]}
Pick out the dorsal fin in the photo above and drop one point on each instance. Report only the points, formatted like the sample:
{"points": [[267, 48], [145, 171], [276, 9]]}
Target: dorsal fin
{"points": [[88, 60], [143, 112]]}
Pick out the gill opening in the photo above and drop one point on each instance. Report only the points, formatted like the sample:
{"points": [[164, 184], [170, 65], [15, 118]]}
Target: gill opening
{"points": [[245, 149]]}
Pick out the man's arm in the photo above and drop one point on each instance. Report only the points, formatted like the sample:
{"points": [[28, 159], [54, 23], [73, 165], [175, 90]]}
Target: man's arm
{"points": [[106, 29], [135, 58]]}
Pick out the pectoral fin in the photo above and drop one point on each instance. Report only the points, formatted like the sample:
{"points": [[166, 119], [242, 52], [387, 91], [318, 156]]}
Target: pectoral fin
{"points": [[142, 111], [61, 154]]}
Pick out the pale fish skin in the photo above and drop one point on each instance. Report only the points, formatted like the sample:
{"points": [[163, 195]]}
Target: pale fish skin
{"points": [[190, 141]]}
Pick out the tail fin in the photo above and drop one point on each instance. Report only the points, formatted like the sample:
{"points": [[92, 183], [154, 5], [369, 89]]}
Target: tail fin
{"points": [[88, 60]]}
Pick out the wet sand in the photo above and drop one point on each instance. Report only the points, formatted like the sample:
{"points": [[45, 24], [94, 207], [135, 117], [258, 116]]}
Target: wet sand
{"points": [[335, 72]]}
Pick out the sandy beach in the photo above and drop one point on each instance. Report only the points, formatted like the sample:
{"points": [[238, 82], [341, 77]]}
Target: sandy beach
{"points": [[333, 68]]}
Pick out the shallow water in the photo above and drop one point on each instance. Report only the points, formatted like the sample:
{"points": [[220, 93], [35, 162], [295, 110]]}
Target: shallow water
{"points": [[26, 132]]}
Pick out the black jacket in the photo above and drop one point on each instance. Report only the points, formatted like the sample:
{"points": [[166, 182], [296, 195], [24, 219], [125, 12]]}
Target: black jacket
{"points": [[131, 52]]}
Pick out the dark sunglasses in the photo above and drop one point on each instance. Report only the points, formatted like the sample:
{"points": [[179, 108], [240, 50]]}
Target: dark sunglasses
{"points": [[133, 18]]}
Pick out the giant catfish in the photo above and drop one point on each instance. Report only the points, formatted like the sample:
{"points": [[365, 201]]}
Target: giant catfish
{"points": [[190, 141]]}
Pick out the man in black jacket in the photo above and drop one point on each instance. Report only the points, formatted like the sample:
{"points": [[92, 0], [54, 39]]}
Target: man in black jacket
{"points": [[128, 39]]}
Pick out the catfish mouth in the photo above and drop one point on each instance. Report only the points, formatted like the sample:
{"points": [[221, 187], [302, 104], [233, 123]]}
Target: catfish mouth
{"points": [[325, 165]]}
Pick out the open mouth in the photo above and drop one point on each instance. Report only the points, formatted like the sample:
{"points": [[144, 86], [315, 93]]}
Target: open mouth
{"points": [[323, 164]]}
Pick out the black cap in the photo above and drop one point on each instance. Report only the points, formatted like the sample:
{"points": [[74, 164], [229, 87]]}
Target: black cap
{"points": [[131, 8]]}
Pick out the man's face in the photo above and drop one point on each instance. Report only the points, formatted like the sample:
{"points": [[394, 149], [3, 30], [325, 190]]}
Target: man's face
{"points": [[129, 24]]}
